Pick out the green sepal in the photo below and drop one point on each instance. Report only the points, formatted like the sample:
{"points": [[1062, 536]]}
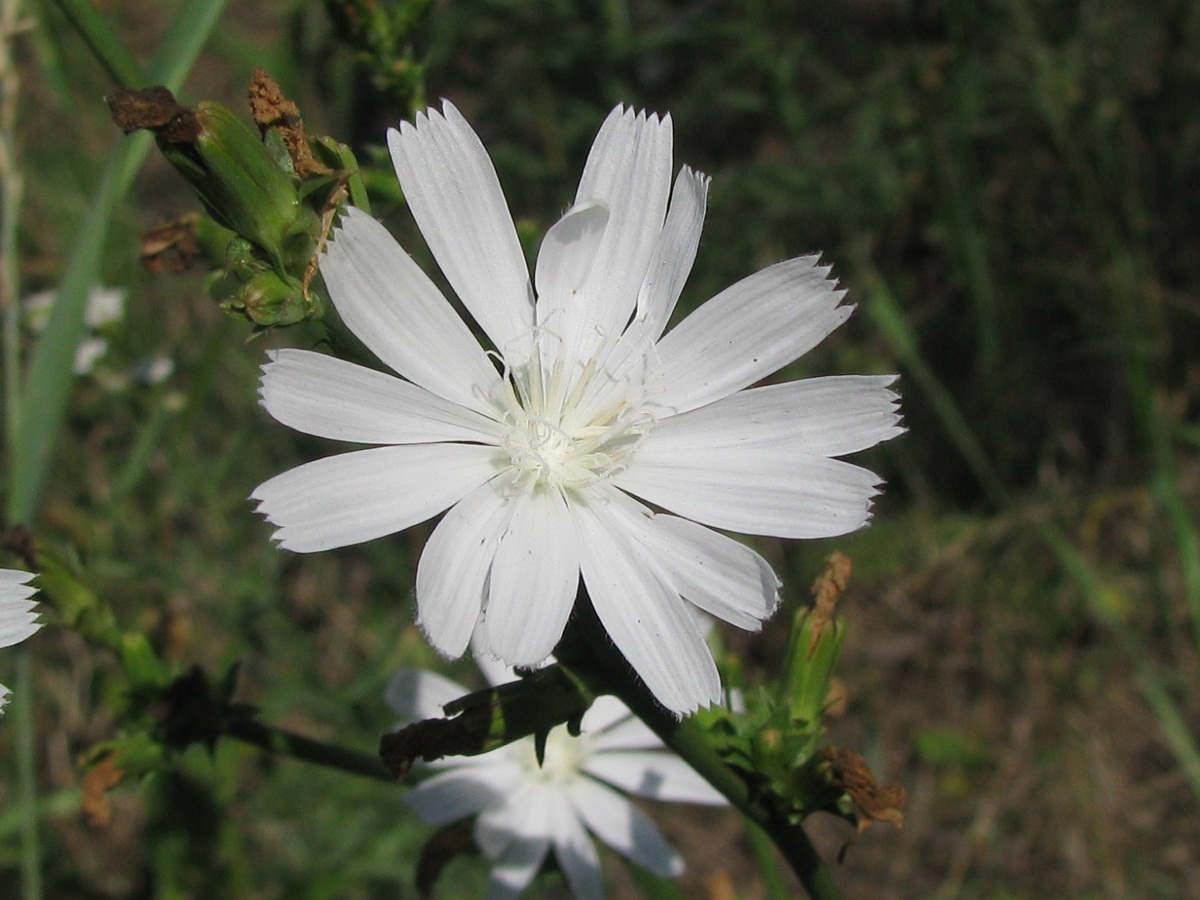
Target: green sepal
{"points": [[814, 647]]}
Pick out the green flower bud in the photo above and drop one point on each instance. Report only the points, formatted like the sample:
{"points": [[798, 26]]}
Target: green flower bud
{"points": [[266, 299], [241, 186]]}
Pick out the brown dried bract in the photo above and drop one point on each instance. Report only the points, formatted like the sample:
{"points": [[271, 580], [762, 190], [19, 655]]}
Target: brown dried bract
{"points": [[97, 809], [428, 740], [154, 109], [850, 772], [171, 246], [826, 590], [273, 110]]}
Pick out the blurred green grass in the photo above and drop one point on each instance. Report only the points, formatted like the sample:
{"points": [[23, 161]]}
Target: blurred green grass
{"points": [[1009, 192]]}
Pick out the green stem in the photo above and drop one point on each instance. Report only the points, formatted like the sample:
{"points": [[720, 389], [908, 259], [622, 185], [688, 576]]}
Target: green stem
{"points": [[103, 43], [287, 743], [768, 865], [690, 743]]}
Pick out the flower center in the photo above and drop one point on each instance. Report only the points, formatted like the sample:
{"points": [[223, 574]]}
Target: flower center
{"points": [[563, 760], [558, 439]]}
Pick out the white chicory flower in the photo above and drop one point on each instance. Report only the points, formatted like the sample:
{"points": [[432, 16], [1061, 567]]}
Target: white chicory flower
{"points": [[585, 442], [525, 811], [17, 618]]}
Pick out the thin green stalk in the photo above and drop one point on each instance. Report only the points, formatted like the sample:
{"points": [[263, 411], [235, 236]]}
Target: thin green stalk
{"points": [[11, 194], [37, 409], [104, 44], [287, 743], [48, 384]]}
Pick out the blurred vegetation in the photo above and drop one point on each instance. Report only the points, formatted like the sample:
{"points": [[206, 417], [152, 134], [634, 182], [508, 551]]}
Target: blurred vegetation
{"points": [[1011, 193]]}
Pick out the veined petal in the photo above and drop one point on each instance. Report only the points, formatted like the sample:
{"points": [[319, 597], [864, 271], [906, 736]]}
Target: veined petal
{"points": [[674, 253], [629, 733], [525, 812], [576, 854], [365, 494], [452, 189], [718, 574], [453, 569], [754, 490], [516, 867], [628, 171], [746, 332], [566, 256], [625, 828], [605, 712], [534, 579], [639, 607], [393, 308], [17, 618], [654, 774], [457, 793], [625, 359], [328, 397], [415, 694], [828, 416]]}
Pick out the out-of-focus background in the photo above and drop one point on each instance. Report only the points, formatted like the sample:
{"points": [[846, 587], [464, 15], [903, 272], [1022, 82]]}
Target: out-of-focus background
{"points": [[1010, 192]]}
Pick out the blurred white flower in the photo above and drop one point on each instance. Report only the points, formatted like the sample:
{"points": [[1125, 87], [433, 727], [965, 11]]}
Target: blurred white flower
{"points": [[553, 450], [104, 307], [153, 369], [17, 618], [525, 811]]}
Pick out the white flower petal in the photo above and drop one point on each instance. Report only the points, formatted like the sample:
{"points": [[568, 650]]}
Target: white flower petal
{"points": [[746, 332], [605, 712], [5, 693], [625, 828], [454, 566], [534, 579], [718, 574], [566, 256], [393, 308], [640, 609], [17, 618], [457, 793], [829, 416], [365, 494], [516, 867], [625, 360], [630, 733], [328, 397], [628, 172], [754, 490], [675, 253], [416, 694], [452, 189], [576, 854], [654, 774], [525, 812]]}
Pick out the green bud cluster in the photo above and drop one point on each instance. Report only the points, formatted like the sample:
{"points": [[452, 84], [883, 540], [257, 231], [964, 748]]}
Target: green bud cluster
{"points": [[266, 216]]}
